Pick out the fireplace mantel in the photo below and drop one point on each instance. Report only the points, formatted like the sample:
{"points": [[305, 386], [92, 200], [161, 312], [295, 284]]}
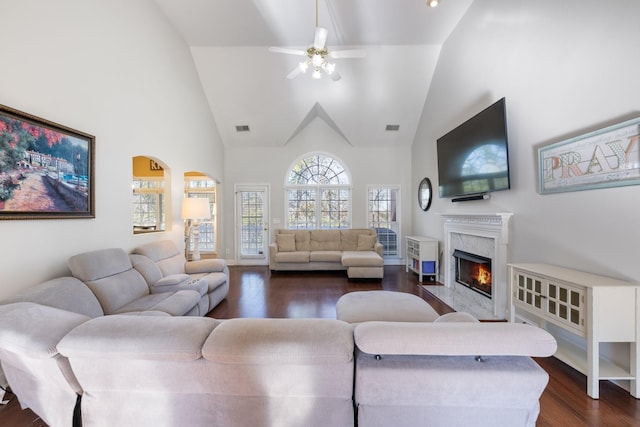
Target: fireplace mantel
{"points": [[491, 232]]}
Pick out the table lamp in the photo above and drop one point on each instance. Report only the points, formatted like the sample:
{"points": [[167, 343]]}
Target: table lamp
{"points": [[194, 209]]}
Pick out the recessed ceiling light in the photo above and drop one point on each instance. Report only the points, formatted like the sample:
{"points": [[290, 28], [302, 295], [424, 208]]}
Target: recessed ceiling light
{"points": [[242, 128], [392, 128]]}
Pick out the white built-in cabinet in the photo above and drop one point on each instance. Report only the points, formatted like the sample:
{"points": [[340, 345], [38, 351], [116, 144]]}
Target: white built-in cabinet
{"points": [[596, 308], [422, 256]]}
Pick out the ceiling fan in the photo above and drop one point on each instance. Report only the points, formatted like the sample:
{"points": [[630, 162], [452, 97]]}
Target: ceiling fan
{"points": [[318, 56]]}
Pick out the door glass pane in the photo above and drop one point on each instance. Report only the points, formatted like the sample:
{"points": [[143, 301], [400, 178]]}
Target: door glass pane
{"points": [[252, 227]]}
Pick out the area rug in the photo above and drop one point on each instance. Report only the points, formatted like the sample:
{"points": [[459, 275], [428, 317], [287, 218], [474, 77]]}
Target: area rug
{"points": [[460, 302]]}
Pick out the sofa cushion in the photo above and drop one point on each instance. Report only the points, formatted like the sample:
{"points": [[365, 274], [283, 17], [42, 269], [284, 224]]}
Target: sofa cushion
{"points": [[280, 341], [143, 338], [158, 250], [325, 256], [361, 259], [147, 268], [349, 237], [454, 339], [286, 242], [365, 242], [110, 275], [177, 303], [325, 240], [301, 236], [166, 255], [364, 306], [298, 256], [101, 263]]}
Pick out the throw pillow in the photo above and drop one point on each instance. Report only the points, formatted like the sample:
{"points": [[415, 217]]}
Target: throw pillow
{"points": [[286, 242], [365, 243]]}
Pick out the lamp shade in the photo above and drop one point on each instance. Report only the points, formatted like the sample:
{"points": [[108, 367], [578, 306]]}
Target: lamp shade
{"points": [[195, 208]]}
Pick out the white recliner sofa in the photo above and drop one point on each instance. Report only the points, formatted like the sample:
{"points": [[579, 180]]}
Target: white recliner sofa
{"points": [[120, 288], [165, 267]]}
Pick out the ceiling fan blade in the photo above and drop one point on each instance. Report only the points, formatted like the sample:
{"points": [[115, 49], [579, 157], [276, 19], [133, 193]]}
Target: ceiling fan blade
{"points": [[320, 38], [294, 73], [348, 53], [287, 50], [335, 76]]}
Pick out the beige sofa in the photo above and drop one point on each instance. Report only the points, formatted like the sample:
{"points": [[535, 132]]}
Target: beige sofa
{"points": [[356, 250]]}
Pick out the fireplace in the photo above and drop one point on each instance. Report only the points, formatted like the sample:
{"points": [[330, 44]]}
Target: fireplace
{"points": [[486, 236], [473, 271]]}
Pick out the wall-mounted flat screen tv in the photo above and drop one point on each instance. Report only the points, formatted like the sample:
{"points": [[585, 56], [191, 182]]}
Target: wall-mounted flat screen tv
{"points": [[473, 158]]}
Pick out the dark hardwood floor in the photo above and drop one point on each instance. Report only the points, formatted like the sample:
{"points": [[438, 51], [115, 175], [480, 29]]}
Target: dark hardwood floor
{"points": [[255, 292]]}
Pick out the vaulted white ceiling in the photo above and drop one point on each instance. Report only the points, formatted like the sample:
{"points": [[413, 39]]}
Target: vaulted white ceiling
{"points": [[247, 85]]}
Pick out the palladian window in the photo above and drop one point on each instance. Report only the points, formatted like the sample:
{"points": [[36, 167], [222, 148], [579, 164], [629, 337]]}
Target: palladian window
{"points": [[318, 193]]}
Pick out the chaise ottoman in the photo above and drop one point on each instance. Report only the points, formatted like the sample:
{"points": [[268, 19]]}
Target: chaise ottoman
{"points": [[363, 264], [365, 306]]}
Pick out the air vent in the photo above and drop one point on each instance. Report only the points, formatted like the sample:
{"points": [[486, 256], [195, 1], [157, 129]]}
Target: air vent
{"points": [[392, 128], [242, 128]]}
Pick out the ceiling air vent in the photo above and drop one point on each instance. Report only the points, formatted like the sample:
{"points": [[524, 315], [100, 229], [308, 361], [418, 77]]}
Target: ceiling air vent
{"points": [[242, 128], [393, 128]]}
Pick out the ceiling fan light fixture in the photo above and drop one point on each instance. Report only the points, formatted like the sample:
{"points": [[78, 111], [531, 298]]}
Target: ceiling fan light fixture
{"points": [[329, 67], [433, 3], [303, 66], [317, 60], [316, 74]]}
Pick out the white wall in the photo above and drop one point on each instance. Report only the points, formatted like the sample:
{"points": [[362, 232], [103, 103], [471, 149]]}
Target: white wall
{"points": [[380, 166], [565, 67], [117, 70]]}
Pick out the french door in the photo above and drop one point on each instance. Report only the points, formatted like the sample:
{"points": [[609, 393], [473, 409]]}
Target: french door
{"points": [[252, 224]]}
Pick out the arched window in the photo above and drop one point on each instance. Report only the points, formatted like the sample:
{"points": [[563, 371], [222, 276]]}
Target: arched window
{"points": [[318, 193]]}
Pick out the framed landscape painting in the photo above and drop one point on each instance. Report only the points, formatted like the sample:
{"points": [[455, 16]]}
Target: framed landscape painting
{"points": [[46, 169]]}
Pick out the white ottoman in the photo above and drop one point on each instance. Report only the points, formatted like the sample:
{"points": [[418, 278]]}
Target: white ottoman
{"points": [[365, 306]]}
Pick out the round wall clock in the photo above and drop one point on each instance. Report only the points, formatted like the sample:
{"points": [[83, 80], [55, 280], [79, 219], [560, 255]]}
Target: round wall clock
{"points": [[425, 194]]}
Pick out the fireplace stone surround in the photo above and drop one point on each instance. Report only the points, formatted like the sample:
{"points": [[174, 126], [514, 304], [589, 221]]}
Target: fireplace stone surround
{"points": [[486, 235]]}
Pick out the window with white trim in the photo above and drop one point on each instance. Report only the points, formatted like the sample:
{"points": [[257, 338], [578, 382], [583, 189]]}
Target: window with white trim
{"points": [[318, 193], [148, 204], [383, 216], [203, 186]]}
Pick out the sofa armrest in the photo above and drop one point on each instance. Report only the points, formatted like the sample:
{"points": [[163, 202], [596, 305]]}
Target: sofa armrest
{"points": [[379, 248], [273, 250], [205, 266], [34, 329], [179, 282], [454, 339]]}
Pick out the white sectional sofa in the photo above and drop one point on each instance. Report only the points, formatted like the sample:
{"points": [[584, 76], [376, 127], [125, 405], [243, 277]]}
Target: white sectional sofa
{"points": [[355, 250], [74, 364], [174, 371]]}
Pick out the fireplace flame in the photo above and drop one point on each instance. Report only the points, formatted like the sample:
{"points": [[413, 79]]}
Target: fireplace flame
{"points": [[484, 275]]}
